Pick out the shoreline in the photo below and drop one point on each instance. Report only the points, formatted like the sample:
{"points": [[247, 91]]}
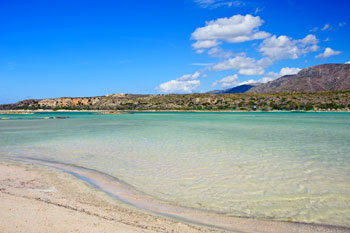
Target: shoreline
{"points": [[122, 112], [143, 203], [38, 199]]}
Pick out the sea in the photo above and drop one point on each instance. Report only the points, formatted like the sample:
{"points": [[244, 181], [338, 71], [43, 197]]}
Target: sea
{"points": [[281, 166]]}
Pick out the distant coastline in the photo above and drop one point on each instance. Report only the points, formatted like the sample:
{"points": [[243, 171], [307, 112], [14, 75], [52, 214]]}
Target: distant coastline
{"points": [[123, 112], [316, 101]]}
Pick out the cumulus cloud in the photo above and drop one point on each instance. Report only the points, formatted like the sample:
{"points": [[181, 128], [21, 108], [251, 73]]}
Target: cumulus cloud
{"points": [[179, 86], [327, 53], [265, 79], [250, 81], [289, 71], [219, 52], [272, 75], [185, 84], [347, 62], [284, 47], [205, 44], [244, 65], [187, 77], [228, 81], [236, 29], [231, 81], [251, 71]]}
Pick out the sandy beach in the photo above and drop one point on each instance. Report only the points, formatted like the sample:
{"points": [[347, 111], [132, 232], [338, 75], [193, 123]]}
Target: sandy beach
{"points": [[35, 198], [39, 199]]}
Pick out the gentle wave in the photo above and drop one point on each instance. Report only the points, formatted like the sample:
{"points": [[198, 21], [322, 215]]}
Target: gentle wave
{"points": [[131, 196]]}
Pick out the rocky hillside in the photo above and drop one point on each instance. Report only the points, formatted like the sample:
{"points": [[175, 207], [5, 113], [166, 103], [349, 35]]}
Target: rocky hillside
{"points": [[327, 77], [264, 102], [318, 87]]}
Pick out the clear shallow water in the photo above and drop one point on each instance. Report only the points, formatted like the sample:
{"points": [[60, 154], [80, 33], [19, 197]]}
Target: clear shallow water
{"points": [[284, 166]]}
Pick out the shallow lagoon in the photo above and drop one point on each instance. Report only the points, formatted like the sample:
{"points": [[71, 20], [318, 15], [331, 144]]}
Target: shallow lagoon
{"points": [[282, 166]]}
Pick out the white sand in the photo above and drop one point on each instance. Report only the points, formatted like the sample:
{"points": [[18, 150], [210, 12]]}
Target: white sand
{"points": [[38, 199]]}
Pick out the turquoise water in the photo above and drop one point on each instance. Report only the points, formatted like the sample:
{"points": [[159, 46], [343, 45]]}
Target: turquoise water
{"points": [[282, 166]]}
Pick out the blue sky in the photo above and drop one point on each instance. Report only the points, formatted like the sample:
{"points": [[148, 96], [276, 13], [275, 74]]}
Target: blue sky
{"points": [[86, 48]]}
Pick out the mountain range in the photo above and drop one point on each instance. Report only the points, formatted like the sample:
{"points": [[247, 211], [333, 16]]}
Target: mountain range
{"points": [[326, 77], [320, 87]]}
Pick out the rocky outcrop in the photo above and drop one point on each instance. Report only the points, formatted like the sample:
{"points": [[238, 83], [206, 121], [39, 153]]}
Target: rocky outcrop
{"points": [[327, 77], [20, 105], [70, 102], [280, 101]]}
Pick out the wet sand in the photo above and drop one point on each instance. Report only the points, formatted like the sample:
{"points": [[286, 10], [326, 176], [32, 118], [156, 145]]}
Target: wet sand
{"points": [[35, 198]]}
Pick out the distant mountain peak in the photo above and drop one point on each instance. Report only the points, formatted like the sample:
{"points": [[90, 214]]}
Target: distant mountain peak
{"points": [[326, 77], [238, 89]]}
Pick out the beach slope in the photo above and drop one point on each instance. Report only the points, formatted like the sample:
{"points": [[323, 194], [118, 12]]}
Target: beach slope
{"points": [[38, 199]]}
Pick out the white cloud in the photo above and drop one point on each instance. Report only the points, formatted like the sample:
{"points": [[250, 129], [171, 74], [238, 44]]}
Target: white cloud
{"points": [[236, 29], [272, 75], [315, 29], [184, 84], [327, 53], [201, 64], [265, 79], [205, 44], [219, 52], [348, 62], [284, 47], [233, 80], [329, 27], [234, 63], [247, 82], [200, 51], [309, 39], [257, 10], [289, 71], [179, 86], [228, 81], [251, 81], [326, 27], [187, 77], [265, 62], [244, 65], [252, 71], [218, 3]]}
